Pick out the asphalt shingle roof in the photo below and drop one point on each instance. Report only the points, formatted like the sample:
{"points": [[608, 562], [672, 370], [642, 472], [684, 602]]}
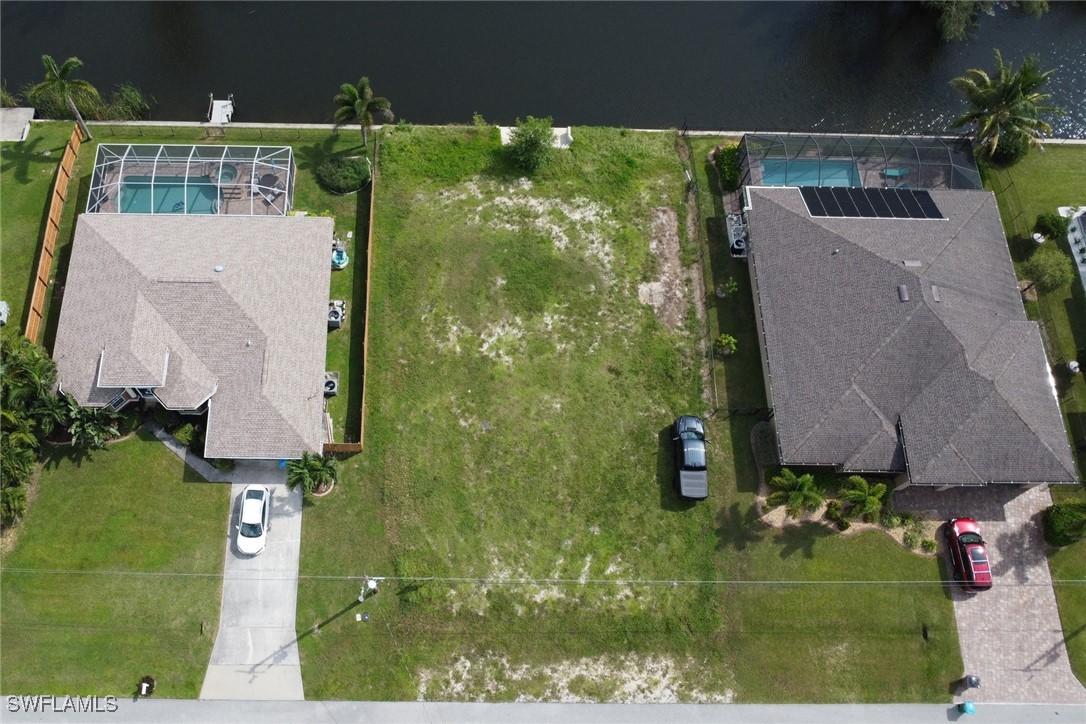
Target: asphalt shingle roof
{"points": [[958, 364], [143, 301]]}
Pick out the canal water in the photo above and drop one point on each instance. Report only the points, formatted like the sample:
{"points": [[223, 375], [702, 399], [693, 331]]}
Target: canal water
{"points": [[876, 67]]}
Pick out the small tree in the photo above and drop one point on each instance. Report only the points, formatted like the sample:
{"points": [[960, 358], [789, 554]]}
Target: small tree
{"points": [[797, 494], [866, 499], [1049, 269], [531, 144], [311, 473], [1064, 523], [1051, 226], [358, 104]]}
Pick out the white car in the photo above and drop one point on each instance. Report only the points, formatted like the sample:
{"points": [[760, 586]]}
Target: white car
{"points": [[255, 516]]}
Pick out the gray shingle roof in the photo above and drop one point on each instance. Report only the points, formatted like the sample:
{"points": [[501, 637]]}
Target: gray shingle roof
{"points": [[142, 300], [958, 364]]}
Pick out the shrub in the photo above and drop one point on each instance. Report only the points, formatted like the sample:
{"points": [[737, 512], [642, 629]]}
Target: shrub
{"points": [[1051, 225], [185, 434], [530, 145], [928, 545], [833, 509], [127, 104], [724, 345], [842, 523], [343, 174], [130, 421], [7, 98], [12, 504], [727, 165], [890, 518], [478, 120], [1049, 268], [1012, 148], [223, 464], [166, 419], [1064, 523], [911, 539]]}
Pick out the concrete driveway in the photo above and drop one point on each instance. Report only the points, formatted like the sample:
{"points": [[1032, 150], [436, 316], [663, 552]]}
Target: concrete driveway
{"points": [[1010, 636], [256, 653]]}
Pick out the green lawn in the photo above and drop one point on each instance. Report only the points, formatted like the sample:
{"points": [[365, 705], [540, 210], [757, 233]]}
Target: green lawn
{"points": [[27, 172], [135, 511], [1040, 183], [27, 176], [518, 405]]}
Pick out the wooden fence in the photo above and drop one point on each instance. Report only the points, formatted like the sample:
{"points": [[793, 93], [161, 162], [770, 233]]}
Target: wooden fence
{"points": [[346, 448], [44, 269]]}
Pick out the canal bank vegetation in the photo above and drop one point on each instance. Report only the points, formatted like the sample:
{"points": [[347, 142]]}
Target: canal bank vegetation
{"points": [[516, 479]]}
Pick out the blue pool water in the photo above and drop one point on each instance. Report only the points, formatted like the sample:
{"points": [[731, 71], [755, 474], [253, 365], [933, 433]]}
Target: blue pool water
{"points": [[168, 196], [809, 172]]}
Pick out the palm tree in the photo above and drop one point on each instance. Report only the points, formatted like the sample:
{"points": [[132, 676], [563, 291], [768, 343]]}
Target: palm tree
{"points": [[357, 104], [797, 494], [17, 448], [866, 498], [1006, 108], [26, 371], [311, 473], [59, 83]]}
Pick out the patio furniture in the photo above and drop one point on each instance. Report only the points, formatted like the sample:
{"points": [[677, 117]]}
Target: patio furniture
{"points": [[892, 176]]}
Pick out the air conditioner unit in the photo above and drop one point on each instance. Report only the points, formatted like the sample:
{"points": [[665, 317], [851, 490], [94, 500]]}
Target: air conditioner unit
{"points": [[331, 384]]}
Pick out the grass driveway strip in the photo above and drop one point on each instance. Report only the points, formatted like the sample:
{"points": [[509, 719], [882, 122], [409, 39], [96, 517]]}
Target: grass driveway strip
{"points": [[135, 510], [518, 404]]}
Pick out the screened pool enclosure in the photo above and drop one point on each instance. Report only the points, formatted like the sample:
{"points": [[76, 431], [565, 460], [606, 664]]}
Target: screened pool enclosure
{"points": [[784, 159], [167, 179]]}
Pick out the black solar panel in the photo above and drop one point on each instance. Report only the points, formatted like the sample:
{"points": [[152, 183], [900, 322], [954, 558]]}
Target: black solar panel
{"points": [[825, 195], [848, 207], [853, 202], [811, 199], [931, 211], [882, 211], [862, 204]]}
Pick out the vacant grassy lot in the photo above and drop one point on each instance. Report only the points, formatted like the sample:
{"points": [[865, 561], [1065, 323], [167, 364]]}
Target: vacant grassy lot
{"points": [[136, 512], [1040, 183], [517, 463]]}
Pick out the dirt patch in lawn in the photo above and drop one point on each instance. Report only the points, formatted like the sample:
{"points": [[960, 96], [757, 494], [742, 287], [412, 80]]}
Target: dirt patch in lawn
{"points": [[629, 679], [667, 293]]}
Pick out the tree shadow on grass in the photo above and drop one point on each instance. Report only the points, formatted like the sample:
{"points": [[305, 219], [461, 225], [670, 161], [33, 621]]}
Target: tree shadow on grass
{"points": [[19, 156], [665, 474], [738, 528], [801, 539]]}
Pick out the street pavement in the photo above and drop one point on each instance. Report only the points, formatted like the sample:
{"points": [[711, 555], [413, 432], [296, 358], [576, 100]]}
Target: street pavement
{"points": [[256, 653], [172, 711]]}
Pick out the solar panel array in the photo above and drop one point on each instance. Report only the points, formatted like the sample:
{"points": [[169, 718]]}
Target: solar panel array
{"points": [[863, 203]]}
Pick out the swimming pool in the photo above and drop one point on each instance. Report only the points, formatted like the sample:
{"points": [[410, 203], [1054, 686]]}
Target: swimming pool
{"points": [[168, 195], [809, 172]]}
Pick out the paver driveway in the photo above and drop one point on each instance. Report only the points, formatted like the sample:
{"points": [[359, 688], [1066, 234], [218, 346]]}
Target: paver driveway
{"points": [[256, 652], [1010, 636]]}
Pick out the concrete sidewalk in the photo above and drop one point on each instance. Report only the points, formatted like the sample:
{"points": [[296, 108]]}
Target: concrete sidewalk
{"points": [[151, 711], [256, 652]]}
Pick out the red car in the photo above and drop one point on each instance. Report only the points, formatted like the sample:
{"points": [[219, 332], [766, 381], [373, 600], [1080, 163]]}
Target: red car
{"points": [[968, 554]]}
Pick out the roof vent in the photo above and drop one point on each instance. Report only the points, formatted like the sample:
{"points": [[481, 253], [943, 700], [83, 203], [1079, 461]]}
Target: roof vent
{"points": [[913, 263], [902, 292], [935, 293], [218, 267]]}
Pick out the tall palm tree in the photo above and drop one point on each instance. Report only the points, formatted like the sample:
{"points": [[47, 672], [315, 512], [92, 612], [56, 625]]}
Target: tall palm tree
{"points": [[797, 494], [59, 83], [1006, 108], [866, 498], [357, 104]]}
